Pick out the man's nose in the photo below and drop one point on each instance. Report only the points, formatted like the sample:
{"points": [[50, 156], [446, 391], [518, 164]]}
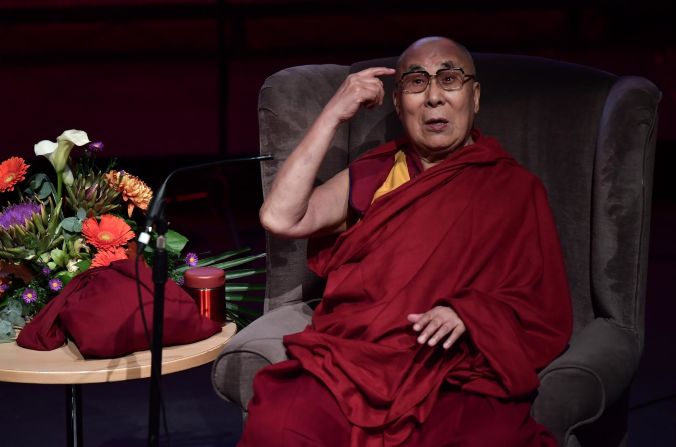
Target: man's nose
{"points": [[434, 95]]}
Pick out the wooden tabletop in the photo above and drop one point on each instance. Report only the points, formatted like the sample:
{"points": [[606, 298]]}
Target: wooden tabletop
{"points": [[66, 365]]}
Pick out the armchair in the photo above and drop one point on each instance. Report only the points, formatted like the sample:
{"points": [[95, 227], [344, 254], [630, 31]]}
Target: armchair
{"points": [[589, 135]]}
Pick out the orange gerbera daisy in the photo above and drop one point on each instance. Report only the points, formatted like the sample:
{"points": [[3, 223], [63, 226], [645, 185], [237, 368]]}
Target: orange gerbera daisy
{"points": [[12, 171], [105, 257], [132, 188], [109, 233]]}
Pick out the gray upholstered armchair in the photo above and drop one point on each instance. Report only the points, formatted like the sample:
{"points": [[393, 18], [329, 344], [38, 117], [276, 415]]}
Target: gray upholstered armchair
{"points": [[589, 135]]}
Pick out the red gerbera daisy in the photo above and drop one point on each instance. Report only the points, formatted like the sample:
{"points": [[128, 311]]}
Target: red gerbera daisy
{"points": [[12, 171], [111, 232], [105, 257]]}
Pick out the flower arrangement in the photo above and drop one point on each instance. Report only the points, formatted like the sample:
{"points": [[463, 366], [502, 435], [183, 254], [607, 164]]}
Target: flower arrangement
{"points": [[52, 231]]}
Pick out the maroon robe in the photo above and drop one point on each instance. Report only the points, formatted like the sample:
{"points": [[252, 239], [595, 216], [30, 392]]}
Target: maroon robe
{"points": [[474, 233]]}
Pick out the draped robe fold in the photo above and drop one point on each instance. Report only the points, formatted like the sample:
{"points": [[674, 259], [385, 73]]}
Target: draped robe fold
{"points": [[474, 233]]}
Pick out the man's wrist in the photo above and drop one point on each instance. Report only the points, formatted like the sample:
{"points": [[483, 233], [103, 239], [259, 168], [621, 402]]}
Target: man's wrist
{"points": [[328, 119]]}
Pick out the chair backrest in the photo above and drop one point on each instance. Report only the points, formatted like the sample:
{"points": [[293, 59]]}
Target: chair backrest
{"points": [[588, 134]]}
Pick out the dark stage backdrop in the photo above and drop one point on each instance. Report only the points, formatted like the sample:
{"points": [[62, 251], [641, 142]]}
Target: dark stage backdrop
{"points": [[180, 78]]}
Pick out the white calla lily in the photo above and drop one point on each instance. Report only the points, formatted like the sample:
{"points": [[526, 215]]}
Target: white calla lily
{"points": [[58, 152], [45, 147], [68, 177], [77, 137]]}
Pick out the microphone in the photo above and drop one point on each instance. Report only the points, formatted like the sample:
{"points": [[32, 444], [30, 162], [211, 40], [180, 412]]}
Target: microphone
{"points": [[156, 203], [155, 216]]}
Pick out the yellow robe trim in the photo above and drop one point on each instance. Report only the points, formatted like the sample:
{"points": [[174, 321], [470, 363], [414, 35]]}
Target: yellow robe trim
{"points": [[398, 176]]}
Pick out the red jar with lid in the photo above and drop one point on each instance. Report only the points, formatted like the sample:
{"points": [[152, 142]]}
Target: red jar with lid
{"points": [[206, 285]]}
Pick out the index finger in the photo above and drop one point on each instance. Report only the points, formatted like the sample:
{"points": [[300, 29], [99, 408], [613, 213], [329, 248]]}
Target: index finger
{"points": [[378, 71]]}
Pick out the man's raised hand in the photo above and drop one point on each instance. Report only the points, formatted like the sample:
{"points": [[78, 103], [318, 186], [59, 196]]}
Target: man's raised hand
{"points": [[361, 88]]}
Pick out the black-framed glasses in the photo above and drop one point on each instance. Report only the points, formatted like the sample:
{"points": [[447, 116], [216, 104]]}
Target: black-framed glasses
{"points": [[448, 79]]}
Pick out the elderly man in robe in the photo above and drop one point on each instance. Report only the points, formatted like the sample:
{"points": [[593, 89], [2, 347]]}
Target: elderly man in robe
{"points": [[446, 291]]}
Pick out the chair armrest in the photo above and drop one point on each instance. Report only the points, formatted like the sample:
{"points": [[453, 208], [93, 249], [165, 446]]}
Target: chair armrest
{"points": [[257, 346], [591, 375]]}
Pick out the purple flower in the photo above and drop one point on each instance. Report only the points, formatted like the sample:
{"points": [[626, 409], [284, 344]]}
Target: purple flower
{"points": [[95, 146], [46, 271], [191, 259], [4, 287], [180, 280], [18, 214], [29, 296], [55, 284]]}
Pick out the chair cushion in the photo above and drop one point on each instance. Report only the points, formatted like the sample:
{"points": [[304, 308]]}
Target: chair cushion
{"points": [[257, 346]]}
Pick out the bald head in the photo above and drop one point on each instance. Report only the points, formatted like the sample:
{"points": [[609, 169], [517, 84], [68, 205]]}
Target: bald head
{"points": [[431, 45]]}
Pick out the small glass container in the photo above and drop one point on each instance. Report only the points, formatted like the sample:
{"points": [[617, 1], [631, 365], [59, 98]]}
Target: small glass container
{"points": [[206, 285]]}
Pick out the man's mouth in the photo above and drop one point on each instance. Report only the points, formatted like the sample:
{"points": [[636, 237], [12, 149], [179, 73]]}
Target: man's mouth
{"points": [[436, 124]]}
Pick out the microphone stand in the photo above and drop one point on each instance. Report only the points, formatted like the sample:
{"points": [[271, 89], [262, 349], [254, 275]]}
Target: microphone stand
{"points": [[160, 274]]}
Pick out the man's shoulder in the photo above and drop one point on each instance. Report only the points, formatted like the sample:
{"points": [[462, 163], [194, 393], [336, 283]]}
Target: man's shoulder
{"points": [[510, 177]]}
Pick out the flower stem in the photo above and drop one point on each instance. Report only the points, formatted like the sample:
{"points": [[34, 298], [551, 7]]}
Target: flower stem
{"points": [[59, 186]]}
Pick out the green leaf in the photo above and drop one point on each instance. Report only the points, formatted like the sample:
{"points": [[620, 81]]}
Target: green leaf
{"points": [[237, 309], [243, 287], [6, 330], [81, 265], [236, 262], [175, 242], [234, 274], [59, 257], [54, 218], [15, 250], [37, 220], [244, 299], [213, 259], [235, 318], [239, 320], [45, 191], [84, 265], [81, 214], [72, 224], [37, 180], [65, 276], [40, 186], [223, 256]]}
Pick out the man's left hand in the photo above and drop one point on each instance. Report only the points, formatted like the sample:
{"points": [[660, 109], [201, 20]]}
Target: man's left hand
{"points": [[436, 324]]}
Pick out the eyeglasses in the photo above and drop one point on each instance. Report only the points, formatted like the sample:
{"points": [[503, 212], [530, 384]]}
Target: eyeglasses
{"points": [[448, 79]]}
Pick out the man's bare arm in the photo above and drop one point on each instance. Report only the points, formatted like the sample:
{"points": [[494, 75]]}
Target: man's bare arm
{"points": [[293, 208]]}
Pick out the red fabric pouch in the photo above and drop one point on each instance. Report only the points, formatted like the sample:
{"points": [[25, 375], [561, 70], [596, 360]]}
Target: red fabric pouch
{"points": [[99, 311]]}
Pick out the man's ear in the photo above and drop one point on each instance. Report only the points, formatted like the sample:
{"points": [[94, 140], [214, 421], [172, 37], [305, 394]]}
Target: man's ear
{"points": [[395, 99], [477, 96]]}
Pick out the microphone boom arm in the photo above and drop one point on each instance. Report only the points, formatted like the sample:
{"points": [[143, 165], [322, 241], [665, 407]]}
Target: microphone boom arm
{"points": [[157, 202], [155, 216]]}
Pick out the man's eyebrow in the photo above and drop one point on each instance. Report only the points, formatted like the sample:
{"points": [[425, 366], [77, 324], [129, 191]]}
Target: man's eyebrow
{"points": [[444, 65], [415, 67]]}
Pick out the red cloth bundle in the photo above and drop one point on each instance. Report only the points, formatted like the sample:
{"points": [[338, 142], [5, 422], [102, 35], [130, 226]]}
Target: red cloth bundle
{"points": [[99, 311]]}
